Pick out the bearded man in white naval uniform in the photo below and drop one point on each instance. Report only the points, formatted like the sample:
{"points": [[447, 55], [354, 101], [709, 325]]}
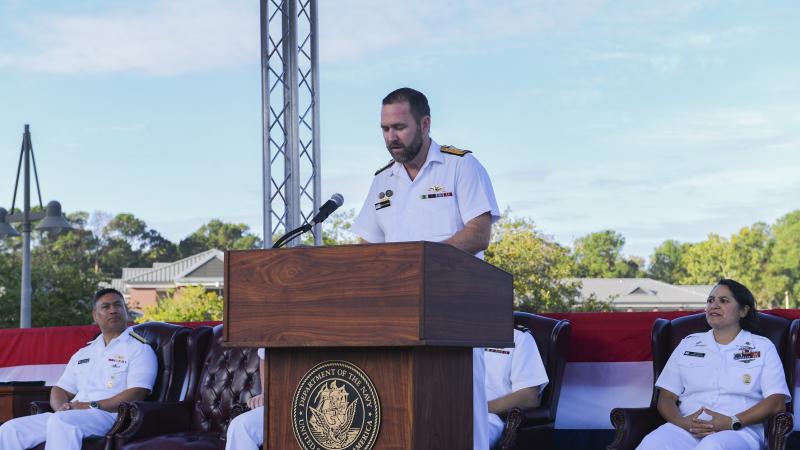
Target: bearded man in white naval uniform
{"points": [[117, 366], [433, 193]]}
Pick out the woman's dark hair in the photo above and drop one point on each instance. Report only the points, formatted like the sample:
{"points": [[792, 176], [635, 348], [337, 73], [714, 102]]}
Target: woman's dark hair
{"points": [[743, 297]]}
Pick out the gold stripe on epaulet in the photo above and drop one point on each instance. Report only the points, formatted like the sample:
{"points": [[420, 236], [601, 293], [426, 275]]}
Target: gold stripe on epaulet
{"points": [[385, 167], [450, 150], [138, 337]]}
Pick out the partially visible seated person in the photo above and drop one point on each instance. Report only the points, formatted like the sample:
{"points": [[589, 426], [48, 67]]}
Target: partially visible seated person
{"points": [[117, 366], [246, 431], [719, 386], [515, 377]]}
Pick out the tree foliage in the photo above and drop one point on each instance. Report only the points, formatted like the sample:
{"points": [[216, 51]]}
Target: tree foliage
{"points": [[187, 304], [540, 266], [782, 278], [665, 263], [220, 235], [67, 268], [599, 255]]}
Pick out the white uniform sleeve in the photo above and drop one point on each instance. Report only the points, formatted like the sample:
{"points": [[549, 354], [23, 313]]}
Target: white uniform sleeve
{"points": [[670, 378], [773, 380], [69, 379], [527, 369], [142, 369], [474, 191], [366, 224]]}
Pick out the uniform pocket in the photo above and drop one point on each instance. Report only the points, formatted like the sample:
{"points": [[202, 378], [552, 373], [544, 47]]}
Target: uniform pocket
{"points": [[440, 216], [746, 376], [697, 373]]}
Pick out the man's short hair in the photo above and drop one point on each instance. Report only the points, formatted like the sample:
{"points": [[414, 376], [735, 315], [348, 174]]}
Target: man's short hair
{"points": [[416, 100], [105, 291]]}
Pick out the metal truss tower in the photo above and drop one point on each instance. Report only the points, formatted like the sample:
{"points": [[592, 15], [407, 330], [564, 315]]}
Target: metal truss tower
{"points": [[290, 115]]}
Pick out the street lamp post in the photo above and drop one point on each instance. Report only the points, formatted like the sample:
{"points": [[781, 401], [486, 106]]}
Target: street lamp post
{"points": [[51, 220]]}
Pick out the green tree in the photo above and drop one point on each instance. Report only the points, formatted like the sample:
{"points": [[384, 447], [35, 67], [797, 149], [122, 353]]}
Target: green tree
{"points": [[220, 235], [63, 276], [541, 267], [746, 261], [128, 242], [187, 304], [335, 230], [599, 255], [782, 278], [705, 262], [665, 263], [10, 268]]}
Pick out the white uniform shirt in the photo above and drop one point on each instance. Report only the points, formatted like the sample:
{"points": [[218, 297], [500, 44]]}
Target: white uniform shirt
{"points": [[511, 369], [448, 192], [100, 371], [724, 378]]}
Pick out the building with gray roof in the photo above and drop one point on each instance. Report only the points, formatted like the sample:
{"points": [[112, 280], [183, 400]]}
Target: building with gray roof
{"points": [[644, 294]]}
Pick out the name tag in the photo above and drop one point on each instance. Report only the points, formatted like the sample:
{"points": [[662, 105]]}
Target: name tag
{"points": [[383, 204], [83, 361], [695, 354], [497, 350]]}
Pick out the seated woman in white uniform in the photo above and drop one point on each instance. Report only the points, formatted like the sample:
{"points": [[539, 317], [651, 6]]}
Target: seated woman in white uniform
{"points": [[719, 386]]}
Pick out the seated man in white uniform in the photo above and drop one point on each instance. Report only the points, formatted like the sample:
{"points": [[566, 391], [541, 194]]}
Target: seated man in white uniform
{"points": [[246, 431], [429, 192], [515, 377], [117, 366]]}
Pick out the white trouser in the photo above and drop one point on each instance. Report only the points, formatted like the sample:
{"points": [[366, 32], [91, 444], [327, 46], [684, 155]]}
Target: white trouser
{"points": [[496, 426], [480, 407], [63, 430], [246, 431], [673, 437]]}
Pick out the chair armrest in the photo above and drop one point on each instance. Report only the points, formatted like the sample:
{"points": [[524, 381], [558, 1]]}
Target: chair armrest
{"points": [[631, 425], [538, 415], [236, 409], [148, 419], [239, 408], [512, 419], [39, 407], [776, 429]]}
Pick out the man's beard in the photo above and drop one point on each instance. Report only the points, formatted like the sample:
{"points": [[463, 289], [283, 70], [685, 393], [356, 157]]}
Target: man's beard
{"points": [[408, 152]]}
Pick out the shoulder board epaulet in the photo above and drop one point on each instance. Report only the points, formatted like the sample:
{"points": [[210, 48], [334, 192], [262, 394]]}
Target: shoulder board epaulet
{"points": [[385, 167], [522, 328], [138, 337], [450, 150], [88, 343]]}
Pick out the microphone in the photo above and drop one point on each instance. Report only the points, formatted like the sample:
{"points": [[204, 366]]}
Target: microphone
{"points": [[329, 207]]}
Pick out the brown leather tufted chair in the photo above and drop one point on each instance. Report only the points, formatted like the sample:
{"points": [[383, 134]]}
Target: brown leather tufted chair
{"points": [[533, 427], [225, 377], [170, 344], [633, 424]]}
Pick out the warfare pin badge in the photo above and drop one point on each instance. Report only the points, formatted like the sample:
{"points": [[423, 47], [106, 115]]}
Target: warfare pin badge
{"points": [[336, 407]]}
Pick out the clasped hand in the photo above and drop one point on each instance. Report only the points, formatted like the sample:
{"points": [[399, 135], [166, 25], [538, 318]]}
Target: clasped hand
{"points": [[701, 428]]}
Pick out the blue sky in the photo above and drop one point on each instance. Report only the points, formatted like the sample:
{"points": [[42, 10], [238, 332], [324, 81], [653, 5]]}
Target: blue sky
{"points": [[660, 120]]}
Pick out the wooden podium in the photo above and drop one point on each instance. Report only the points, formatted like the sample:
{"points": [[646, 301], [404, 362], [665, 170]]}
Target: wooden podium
{"points": [[406, 315]]}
